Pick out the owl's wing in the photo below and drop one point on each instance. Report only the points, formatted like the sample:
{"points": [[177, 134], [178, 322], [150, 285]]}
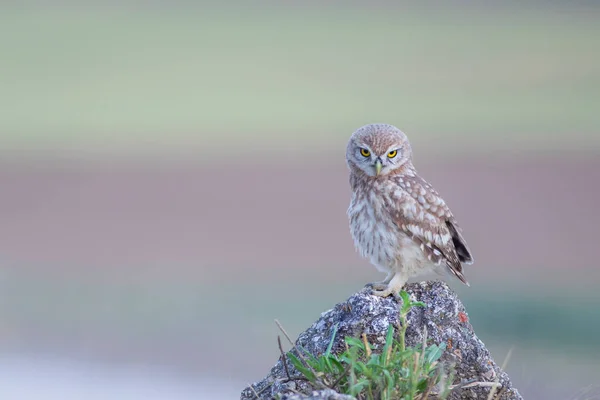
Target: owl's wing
{"points": [[424, 216]]}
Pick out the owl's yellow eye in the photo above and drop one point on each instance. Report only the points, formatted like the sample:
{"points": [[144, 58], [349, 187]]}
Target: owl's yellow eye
{"points": [[392, 153], [365, 152]]}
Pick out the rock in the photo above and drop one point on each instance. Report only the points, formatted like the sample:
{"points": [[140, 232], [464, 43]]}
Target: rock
{"points": [[446, 322]]}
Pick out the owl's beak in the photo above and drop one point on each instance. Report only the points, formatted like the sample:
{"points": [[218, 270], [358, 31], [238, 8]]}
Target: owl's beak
{"points": [[377, 167]]}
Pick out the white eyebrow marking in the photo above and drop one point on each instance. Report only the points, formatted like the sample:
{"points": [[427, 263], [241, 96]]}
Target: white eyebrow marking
{"points": [[392, 148]]}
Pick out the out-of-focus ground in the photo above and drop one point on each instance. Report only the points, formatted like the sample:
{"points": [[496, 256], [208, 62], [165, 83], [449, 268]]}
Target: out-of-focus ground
{"points": [[282, 215], [172, 179]]}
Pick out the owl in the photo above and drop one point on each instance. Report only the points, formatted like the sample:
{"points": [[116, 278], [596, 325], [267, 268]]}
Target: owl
{"points": [[397, 220]]}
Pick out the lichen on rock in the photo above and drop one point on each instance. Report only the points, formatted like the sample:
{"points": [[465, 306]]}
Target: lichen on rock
{"points": [[444, 318]]}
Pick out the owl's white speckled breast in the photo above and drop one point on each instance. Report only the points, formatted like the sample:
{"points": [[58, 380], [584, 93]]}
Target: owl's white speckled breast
{"points": [[375, 236]]}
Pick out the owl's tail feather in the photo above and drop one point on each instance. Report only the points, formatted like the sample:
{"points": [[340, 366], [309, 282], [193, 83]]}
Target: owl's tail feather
{"points": [[459, 275], [460, 244]]}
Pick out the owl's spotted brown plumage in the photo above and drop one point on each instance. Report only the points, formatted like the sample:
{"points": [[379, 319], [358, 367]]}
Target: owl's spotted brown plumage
{"points": [[397, 220]]}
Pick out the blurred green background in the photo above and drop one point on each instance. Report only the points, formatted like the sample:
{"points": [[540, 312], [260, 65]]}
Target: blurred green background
{"points": [[173, 179], [139, 74]]}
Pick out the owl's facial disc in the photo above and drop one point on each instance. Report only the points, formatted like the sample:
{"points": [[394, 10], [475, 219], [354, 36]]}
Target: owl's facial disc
{"points": [[377, 150]]}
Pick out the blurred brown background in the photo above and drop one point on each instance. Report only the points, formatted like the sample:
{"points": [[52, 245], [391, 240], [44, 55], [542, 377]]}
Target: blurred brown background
{"points": [[172, 179]]}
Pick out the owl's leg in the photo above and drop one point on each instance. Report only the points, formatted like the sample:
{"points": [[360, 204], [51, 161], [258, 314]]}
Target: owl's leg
{"points": [[393, 287], [383, 284]]}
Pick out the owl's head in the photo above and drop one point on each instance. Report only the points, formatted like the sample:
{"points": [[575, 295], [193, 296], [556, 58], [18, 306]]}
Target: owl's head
{"points": [[378, 150]]}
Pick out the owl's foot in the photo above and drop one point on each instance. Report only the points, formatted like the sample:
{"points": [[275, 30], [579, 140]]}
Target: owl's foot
{"points": [[384, 291], [377, 286], [381, 285], [392, 288]]}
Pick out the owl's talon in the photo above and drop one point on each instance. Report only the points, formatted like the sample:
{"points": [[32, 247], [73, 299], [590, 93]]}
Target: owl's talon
{"points": [[381, 285], [393, 287], [384, 292], [387, 291], [381, 293], [376, 286]]}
